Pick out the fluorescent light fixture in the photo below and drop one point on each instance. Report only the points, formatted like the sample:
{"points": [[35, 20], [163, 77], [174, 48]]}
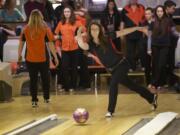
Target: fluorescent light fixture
{"points": [[99, 1], [58, 0]]}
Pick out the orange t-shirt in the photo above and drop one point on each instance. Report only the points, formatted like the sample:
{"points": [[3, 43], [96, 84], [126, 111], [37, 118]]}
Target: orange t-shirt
{"points": [[68, 35], [35, 44], [81, 19]]}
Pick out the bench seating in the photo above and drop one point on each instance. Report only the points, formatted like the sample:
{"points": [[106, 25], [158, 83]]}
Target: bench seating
{"points": [[100, 71]]}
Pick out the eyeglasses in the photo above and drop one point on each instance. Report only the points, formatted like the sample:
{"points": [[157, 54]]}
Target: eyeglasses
{"points": [[67, 11], [95, 29]]}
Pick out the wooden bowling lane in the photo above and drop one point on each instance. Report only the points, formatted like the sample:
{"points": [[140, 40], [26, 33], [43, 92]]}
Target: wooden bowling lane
{"points": [[130, 109]]}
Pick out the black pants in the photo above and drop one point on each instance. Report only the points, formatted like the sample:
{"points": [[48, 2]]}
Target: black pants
{"points": [[58, 70], [133, 52], [143, 53], [3, 39], [1, 52], [148, 69], [117, 43], [69, 69], [146, 61], [120, 76], [43, 69], [171, 78], [159, 65], [84, 76]]}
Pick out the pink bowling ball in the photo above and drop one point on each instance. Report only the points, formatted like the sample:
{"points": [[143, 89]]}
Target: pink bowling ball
{"points": [[81, 115]]}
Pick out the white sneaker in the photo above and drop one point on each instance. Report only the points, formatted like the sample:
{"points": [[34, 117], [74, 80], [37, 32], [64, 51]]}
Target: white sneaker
{"points": [[154, 103], [34, 104], [71, 90], [59, 86], [61, 90], [88, 89], [142, 69], [108, 114], [46, 101]]}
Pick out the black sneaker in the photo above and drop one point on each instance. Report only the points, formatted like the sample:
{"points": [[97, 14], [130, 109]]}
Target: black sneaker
{"points": [[34, 104], [154, 103]]}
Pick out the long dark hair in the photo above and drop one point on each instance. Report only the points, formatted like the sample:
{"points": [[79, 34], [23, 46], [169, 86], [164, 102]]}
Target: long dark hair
{"points": [[115, 9], [72, 18], [161, 25], [103, 40]]}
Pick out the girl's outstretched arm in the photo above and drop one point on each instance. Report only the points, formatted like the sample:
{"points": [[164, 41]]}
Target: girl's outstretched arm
{"points": [[126, 31]]}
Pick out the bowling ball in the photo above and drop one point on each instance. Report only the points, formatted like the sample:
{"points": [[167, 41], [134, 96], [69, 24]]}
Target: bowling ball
{"points": [[80, 115], [14, 67]]}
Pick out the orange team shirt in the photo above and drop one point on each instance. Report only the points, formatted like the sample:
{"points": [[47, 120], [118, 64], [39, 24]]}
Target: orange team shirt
{"points": [[35, 45], [81, 19], [68, 35]]}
